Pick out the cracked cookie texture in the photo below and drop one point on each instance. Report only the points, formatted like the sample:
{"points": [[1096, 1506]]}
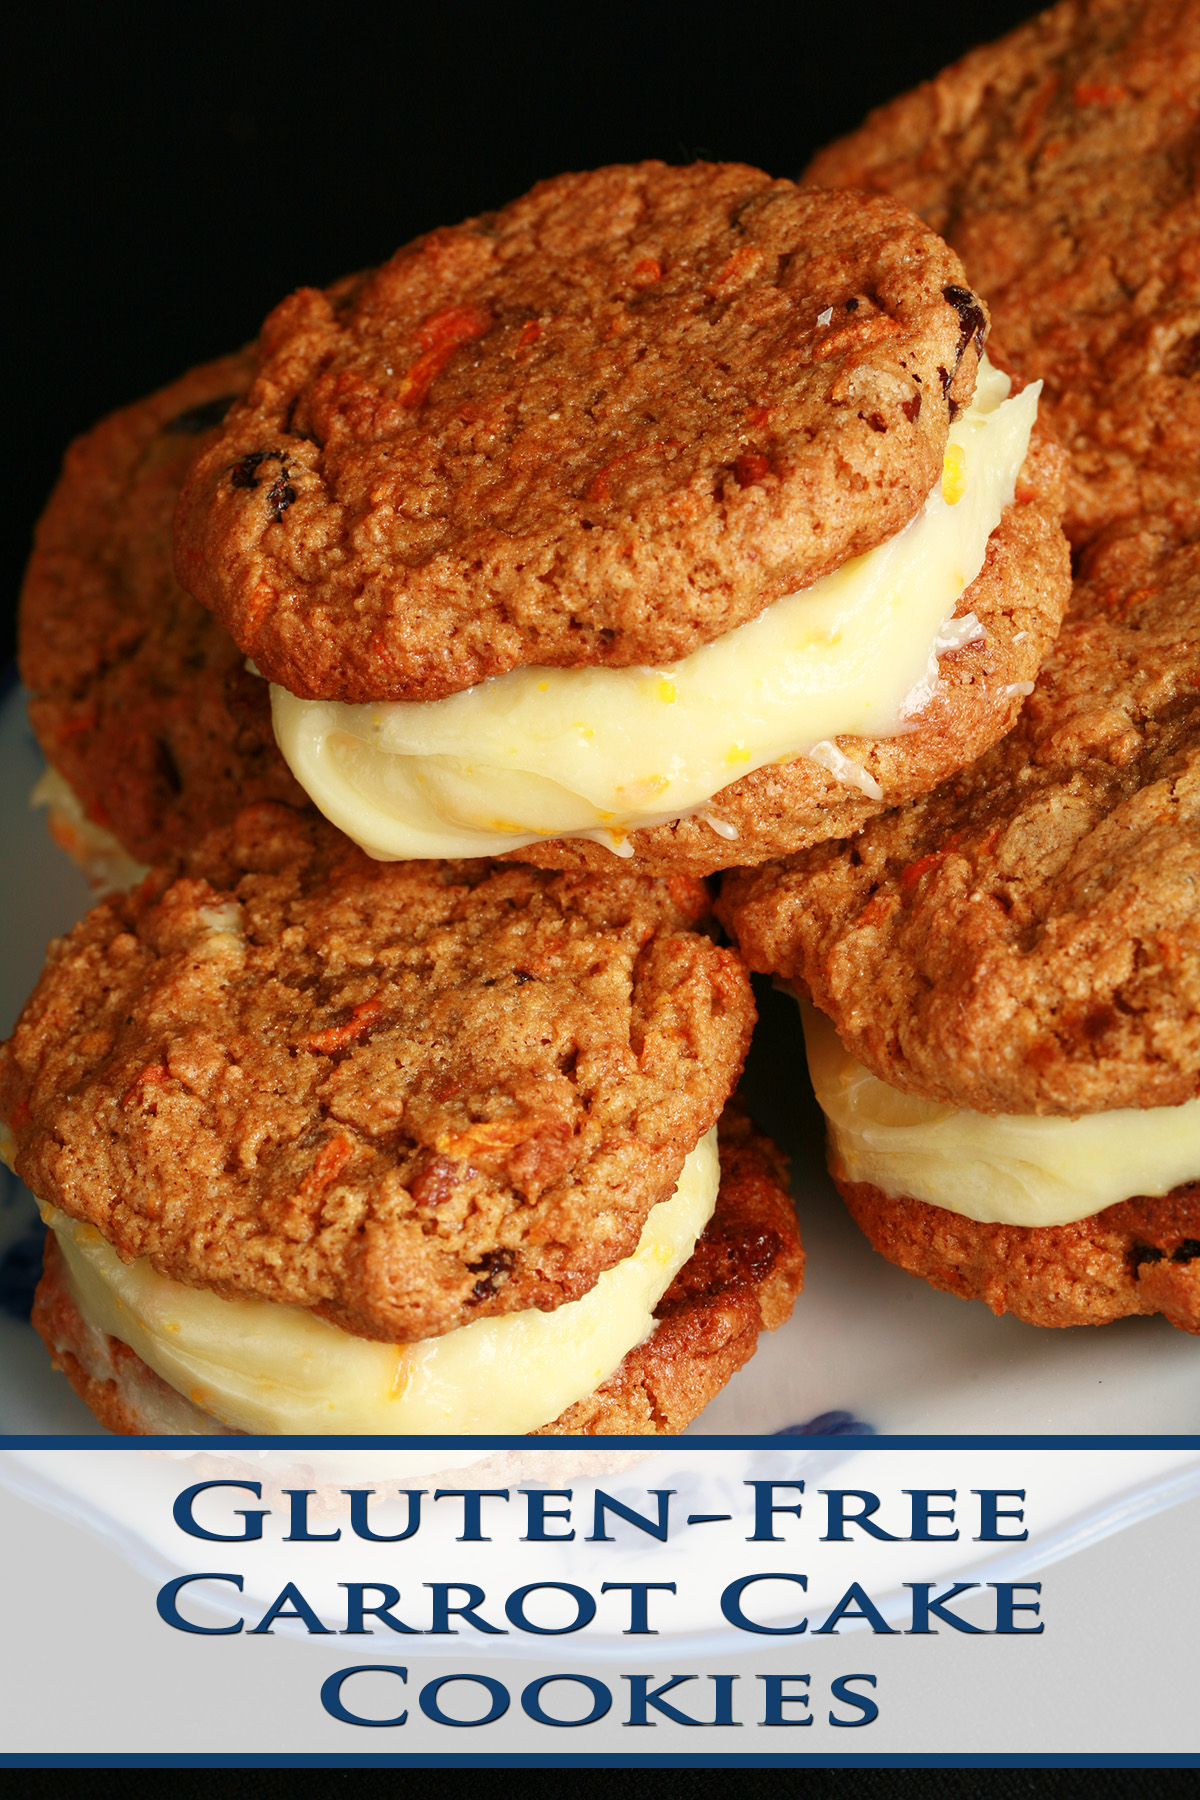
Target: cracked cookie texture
{"points": [[1018, 598], [1139, 1257], [1063, 164], [742, 1278], [1026, 938], [138, 697], [603, 425], [404, 1095]]}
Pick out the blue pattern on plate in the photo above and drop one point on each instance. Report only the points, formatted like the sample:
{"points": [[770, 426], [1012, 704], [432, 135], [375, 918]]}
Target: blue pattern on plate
{"points": [[829, 1424]]}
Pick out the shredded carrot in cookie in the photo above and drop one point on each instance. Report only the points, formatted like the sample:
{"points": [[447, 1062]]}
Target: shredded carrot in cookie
{"points": [[331, 1160], [439, 337], [337, 1037]]}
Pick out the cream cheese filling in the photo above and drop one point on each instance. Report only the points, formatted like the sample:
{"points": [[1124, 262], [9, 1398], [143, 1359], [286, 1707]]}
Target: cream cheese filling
{"points": [[93, 847], [265, 1368], [1002, 1168], [597, 753]]}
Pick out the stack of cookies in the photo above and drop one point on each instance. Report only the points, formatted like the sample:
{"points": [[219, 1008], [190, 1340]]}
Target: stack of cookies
{"points": [[434, 653], [1008, 968]]}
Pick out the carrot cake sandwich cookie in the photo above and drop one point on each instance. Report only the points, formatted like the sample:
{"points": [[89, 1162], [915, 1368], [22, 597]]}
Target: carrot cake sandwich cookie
{"points": [[329, 1144], [670, 512], [152, 727], [1007, 972], [1061, 165]]}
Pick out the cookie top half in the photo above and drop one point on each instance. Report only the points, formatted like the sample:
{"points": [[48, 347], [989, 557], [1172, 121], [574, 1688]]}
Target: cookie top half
{"points": [[407, 1095], [603, 425], [1026, 938], [1016, 603], [138, 696]]}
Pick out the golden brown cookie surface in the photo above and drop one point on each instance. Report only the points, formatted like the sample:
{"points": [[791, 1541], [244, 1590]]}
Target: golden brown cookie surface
{"points": [[139, 698], [1026, 938], [742, 1278], [1062, 164], [1141, 1256], [1018, 598], [604, 425], [406, 1095]]}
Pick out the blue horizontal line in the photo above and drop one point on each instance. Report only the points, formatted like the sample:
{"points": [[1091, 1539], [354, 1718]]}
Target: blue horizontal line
{"points": [[796, 1446], [597, 1760]]}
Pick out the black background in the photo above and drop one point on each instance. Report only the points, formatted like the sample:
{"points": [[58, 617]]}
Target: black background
{"points": [[173, 170]]}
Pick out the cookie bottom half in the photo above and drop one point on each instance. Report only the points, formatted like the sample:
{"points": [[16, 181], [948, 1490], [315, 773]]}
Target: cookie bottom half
{"points": [[742, 1278], [1140, 1256]]}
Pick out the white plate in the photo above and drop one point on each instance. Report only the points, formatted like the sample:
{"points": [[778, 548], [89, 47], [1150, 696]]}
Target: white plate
{"points": [[868, 1348]]}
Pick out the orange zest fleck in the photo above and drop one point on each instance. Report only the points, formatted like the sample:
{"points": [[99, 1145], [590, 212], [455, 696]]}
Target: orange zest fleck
{"points": [[331, 1160], [336, 1037], [531, 331], [910, 876], [439, 337]]}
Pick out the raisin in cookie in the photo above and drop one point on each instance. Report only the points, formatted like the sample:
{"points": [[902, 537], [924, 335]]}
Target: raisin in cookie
{"points": [[741, 1279], [603, 425], [1012, 964], [406, 1097]]}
